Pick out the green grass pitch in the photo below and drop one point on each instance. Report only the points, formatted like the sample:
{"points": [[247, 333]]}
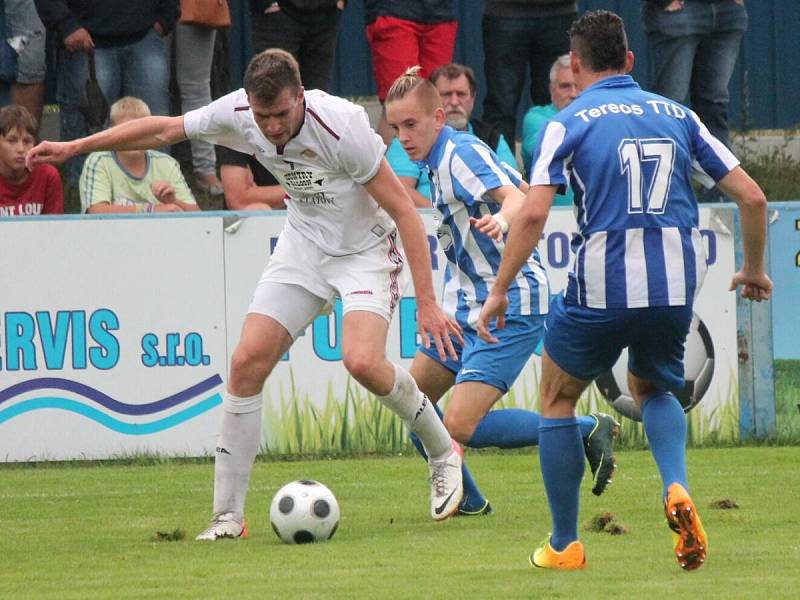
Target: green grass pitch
{"points": [[87, 531]]}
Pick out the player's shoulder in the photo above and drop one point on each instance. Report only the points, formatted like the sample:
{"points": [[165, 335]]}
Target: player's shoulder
{"points": [[465, 142], [235, 101], [331, 112]]}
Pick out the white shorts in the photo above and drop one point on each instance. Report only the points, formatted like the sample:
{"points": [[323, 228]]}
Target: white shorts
{"points": [[300, 281]]}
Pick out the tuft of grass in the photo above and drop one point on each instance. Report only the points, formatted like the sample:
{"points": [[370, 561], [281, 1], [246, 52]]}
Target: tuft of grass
{"points": [[176, 535], [724, 504], [606, 522]]}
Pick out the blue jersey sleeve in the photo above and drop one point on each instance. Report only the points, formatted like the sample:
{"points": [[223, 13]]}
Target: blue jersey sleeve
{"points": [[711, 154], [475, 169], [549, 164]]}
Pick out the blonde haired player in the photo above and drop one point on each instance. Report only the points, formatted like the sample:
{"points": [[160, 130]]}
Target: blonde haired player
{"points": [[477, 195], [345, 209]]}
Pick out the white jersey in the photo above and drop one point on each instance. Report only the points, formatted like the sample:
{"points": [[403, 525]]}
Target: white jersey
{"points": [[322, 169]]}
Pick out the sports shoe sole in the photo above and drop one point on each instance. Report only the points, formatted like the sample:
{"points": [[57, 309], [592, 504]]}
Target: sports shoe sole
{"points": [[691, 542]]}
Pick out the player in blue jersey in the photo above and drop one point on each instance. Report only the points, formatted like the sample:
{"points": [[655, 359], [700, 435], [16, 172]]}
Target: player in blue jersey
{"points": [[639, 263], [476, 194]]}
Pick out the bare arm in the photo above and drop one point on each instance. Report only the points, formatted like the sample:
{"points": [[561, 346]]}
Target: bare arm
{"points": [[100, 208], [510, 199], [522, 239], [241, 191], [753, 210], [390, 194], [137, 134]]}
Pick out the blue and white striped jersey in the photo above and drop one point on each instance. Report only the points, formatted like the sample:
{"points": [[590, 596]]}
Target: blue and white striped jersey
{"points": [[631, 155], [463, 170]]}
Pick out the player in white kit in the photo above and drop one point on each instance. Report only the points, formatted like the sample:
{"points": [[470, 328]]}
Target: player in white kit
{"points": [[345, 208]]}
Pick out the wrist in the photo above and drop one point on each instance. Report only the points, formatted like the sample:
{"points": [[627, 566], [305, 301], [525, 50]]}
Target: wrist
{"points": [[501, 221]]}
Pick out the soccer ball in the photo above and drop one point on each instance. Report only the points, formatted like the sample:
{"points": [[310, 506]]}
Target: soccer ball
{"points": [[304, 511], [698, 366]]}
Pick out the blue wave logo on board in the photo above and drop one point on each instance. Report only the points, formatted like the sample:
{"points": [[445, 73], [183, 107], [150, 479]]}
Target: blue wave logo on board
{"points": [[97, 397]]}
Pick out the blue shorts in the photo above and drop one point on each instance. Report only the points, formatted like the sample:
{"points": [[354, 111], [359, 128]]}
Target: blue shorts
{"points": [[498, 364], [586, 342]]}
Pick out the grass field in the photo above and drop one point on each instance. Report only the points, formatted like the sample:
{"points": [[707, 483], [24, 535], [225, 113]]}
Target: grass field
{"points": [[87, 531]]}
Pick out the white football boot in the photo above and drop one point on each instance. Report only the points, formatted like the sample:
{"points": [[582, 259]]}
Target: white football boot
{"points": [[447, 487], [223, 525]]}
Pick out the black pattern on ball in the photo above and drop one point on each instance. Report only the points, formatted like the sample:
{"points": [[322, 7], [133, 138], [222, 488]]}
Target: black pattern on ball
{"points": [[275, 529], [286, 505], [303, 537], [308, 482], [321, 508], [335, 527]]}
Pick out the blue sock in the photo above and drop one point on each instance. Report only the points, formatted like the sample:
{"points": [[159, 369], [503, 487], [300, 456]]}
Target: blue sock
{"points": [[473, 499], [515, 428], [665, 425], [506, 428], [562, 461]]}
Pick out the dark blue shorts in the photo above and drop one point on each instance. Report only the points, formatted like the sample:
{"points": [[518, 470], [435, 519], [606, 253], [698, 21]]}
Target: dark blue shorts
{"points": [[586, 342], [499, 364]]}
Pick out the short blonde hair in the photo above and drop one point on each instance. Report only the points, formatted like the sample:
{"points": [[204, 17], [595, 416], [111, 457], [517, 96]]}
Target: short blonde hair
{"points": [[409, 82], [128, 107]]}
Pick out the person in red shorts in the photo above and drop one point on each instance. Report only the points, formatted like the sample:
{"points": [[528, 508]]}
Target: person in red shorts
{"points": [[403, 34], [23, 192]]}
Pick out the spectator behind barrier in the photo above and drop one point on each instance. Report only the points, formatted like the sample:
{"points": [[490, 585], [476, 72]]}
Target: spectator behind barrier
{"points": [[693, 47], [518, 35], [247, 184], [306, 28], [23, 192], [194, 54], [457, 90], [562, 92], [27, 33], [402, 34], [127, 39], [132, 181]]}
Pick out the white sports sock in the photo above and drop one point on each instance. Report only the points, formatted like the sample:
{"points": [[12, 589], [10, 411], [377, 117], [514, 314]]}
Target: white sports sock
{"points": [[418, 413], [237, 446]]}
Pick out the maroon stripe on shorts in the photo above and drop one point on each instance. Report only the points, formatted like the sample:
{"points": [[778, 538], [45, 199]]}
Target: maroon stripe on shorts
{"points": [[397, 259], [240, 108]]}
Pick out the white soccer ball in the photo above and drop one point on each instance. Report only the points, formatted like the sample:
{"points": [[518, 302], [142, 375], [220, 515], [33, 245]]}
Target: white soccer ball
{"points": [[698, 366], [304, 511]]}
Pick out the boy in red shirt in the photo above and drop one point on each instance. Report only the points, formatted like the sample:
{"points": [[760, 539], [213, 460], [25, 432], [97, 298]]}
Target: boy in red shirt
{"points": [[23, 192]]}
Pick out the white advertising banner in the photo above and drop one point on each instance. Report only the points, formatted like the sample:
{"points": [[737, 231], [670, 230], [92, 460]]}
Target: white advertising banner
{"points": [[116, 334], [113, 337]]}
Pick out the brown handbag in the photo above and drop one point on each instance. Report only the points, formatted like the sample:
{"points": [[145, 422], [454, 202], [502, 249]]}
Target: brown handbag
{"points": [[207, 13]]}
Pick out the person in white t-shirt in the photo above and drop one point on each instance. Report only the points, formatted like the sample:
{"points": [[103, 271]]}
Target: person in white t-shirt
{"points": [[345, 208]]}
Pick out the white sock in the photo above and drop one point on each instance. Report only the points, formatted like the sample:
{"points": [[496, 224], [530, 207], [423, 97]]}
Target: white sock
{"points": [[237, 446], [418, 413]]}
